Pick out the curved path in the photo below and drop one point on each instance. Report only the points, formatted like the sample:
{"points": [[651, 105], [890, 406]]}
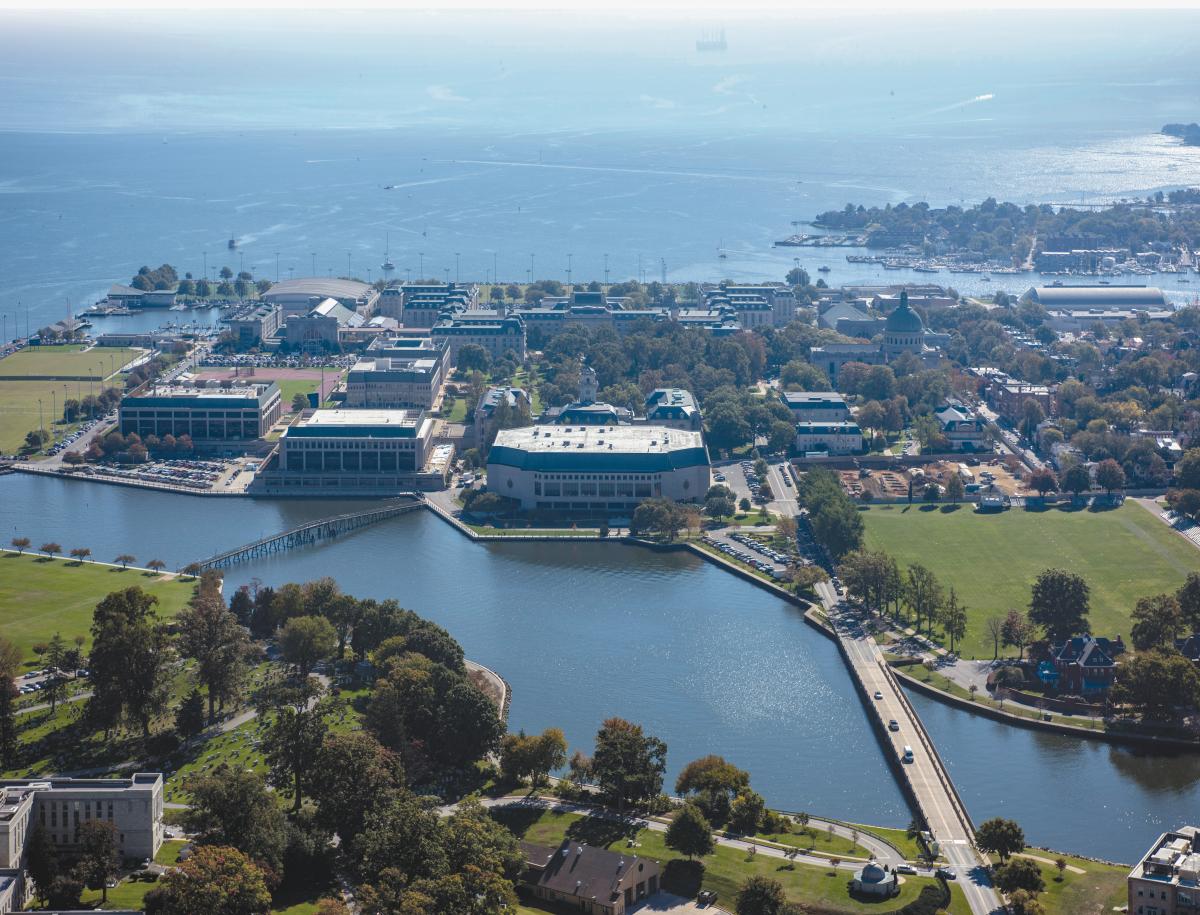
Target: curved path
{"points": [[881, 850]]}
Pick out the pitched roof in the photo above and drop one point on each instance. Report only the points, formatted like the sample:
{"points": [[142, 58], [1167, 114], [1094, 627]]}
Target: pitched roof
{"points": [[585, 871]]}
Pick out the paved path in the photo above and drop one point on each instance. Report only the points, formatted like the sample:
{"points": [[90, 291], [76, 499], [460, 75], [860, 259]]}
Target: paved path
{"points": [[883, 852], [930, 784]]}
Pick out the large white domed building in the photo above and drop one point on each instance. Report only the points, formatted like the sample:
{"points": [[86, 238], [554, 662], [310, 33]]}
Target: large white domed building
{"points": [[903, 332]]}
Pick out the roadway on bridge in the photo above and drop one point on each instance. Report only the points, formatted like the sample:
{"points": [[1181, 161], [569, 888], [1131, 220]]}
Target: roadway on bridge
{"points": [[925, 773]]}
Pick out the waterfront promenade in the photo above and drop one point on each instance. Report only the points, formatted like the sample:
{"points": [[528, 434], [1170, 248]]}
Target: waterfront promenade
{"points": [[926, 776]]}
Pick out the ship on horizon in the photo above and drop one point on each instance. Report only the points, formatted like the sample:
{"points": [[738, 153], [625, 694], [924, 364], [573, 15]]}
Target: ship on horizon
{"points": [[712, 41]]}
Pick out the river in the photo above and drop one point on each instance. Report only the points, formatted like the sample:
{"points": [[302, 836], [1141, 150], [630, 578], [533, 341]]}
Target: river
{"points": [[703, 659]]}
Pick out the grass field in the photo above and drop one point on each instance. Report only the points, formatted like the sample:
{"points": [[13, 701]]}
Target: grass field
{"points": [[69, 361], [19, 412], [992, 560], [724, 871], [39, 597], [1101, 888]]}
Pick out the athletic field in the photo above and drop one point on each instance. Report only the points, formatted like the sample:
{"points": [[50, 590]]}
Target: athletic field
{"points": [[992, 560], [66, 362]]}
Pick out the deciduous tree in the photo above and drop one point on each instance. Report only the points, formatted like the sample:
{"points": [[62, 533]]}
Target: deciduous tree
{"points": [[1157, 621], [216, 880], [760, 896], [130, 658], [306, 640], [1000, 837], [628, 764], [1059, 603], [690, 833], [99, 855], [212, 636]]}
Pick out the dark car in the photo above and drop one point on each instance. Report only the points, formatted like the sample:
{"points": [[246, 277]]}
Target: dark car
{"points": [[707, 897], [946, 874]]}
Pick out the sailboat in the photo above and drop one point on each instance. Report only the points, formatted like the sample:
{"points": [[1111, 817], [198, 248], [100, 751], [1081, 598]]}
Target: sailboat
{"points": [[387, 266], [721, 250]]}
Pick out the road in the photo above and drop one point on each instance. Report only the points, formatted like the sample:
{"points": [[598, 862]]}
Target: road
{"points": [[925, 774], [784, 502]]}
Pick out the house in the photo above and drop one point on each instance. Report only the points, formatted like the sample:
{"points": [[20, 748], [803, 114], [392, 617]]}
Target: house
{"points": [[962, 427], [1083, 664], [588, 879]]}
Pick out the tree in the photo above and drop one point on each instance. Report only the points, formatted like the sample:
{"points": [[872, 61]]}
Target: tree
{"points": [[838, 526], [130, 659], [300, 402], [20, 544], [51, 549], [99, 856], [1000, 837], [994, 626], [1158, 682], [156, 565], [1043, 481], [41, 861], [718, 507], [1023, 902], [760, 896], [232, 807], [746, 812], [216, 880], [1032, 415], [955, 489], [125, 559], [1017, 631], [923, 594], [80, 553], [533, 756], [473, 358], [1157, 622], [211, 635], [628, 764], [292, 744], [1059, 604], [1187, 469], [744, 504], [1061, 864], [690, 833], [1076, 479], [1189, 601], [953, 617], [10, 662], [1020, 874], [306, 640], [352, 772], [1109, 476], [189, 717]]}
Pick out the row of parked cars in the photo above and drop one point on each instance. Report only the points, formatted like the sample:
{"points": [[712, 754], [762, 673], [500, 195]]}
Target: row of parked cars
{"points": [[71, 439], [759, 547], [274, 360], [745, 556]]}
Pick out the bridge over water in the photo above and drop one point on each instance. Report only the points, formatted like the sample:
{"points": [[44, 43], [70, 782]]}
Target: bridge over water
{"points": [[316, 531]]}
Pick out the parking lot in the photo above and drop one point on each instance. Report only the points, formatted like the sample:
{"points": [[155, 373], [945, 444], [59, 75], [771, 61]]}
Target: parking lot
{"points": [[227, 475], [752, 552]]}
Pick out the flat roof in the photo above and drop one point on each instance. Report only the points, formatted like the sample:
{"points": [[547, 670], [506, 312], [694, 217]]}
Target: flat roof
{"points": [[213, 394], [334, 419], [608, 447], [812, 398], [1083, 296]]}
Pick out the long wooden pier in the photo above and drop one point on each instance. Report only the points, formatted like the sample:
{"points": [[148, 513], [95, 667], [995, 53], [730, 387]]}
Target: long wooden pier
{"points": [[315, 531]]}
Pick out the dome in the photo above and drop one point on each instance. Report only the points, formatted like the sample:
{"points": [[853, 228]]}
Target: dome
{"points": [[903, 320], [872, 873]]}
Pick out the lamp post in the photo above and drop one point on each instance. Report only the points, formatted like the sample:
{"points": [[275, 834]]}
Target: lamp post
{"points": [[569, 256], [531, 268], [457, 268], [606, 273], [314, 263], [276, 266], [421, 271], [349, 272]]}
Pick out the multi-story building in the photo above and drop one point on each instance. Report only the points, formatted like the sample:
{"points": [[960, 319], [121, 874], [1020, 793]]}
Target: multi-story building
{"points": [[356, 452], [423, 304], [903, 332], [491, 330], [319, 328], [209, 414], [962, 427], [603, 470], [516, 399], [1007, 396], [833, 438], [816, 406], [393, 376], [252, 327], [768, 305], [1167, 879], [133, 805], [673, 408]]}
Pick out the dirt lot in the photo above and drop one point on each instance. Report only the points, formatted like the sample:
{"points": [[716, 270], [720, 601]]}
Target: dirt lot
{"points": [[893, 484]]}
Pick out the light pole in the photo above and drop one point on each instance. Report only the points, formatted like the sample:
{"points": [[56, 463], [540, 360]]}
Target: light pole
{"points": [[421, 271], [314, 263], [53, 407], [205, 273], [569, 256], [349, 272], [606, 273], [531, 268], [495, 270], [457, 268], [446, 271], [276, 266], [407, 275]]}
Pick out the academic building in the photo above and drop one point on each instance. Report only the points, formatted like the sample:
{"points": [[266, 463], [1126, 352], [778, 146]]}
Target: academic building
{"points": [[208, 414], [599, 469], [61, 805], [356, 452], [397, 375]]}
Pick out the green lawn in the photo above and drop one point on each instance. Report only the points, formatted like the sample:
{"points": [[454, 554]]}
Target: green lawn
{"points": [[19, 411], [724, 871], [1100, 889], [39, 597], [290, 387], [458, 412], [992, 560], [68, 361]]}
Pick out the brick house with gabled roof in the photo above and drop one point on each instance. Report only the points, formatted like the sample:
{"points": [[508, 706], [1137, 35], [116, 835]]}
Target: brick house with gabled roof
{"points": [[1085, 664], [591, 880]]}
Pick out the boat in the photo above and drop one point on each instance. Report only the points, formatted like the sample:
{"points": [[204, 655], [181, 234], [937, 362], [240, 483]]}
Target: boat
{"points": [[387, 266], [985, 278], [824, 268], [232, 243]]}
